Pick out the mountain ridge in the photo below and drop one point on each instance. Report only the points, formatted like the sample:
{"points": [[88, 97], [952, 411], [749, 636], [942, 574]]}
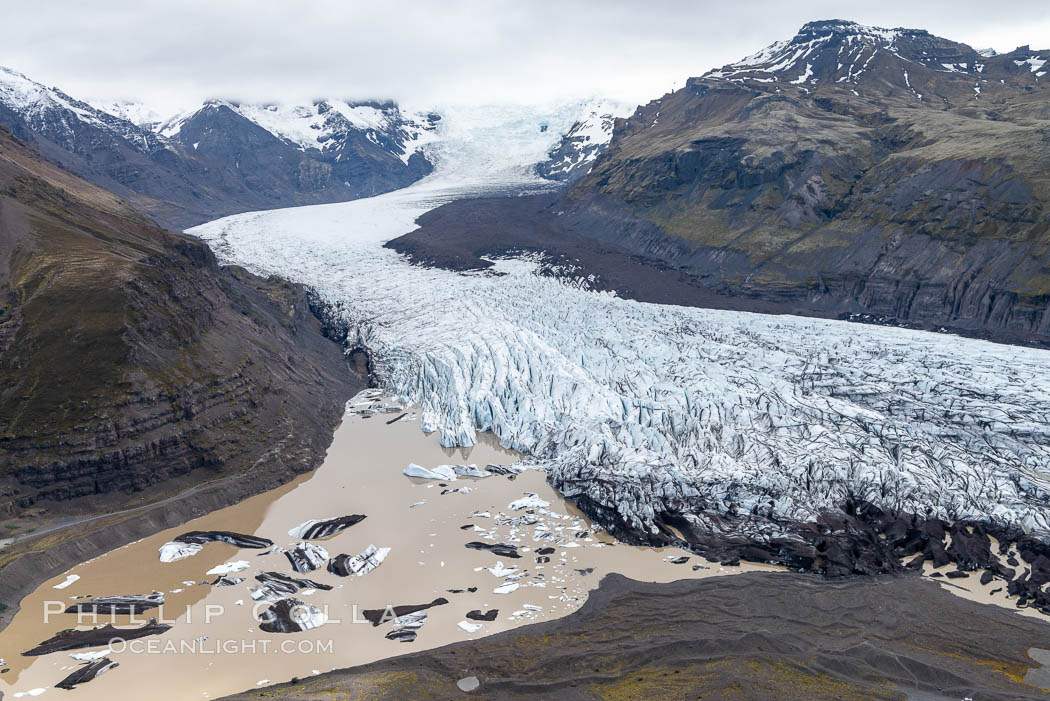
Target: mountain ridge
{"points": [[133, 368], [912, 191], [159, 169]]}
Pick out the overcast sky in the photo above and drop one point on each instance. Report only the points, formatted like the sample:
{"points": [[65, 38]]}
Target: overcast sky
{"points": [[177, 52]]}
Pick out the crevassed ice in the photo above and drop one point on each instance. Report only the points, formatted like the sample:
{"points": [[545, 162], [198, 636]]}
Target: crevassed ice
{"points": [[648, 408]]}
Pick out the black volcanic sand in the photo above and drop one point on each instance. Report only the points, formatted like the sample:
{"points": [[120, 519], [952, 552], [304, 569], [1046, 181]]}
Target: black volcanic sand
{"points": [[756, 636], [456, 236]]}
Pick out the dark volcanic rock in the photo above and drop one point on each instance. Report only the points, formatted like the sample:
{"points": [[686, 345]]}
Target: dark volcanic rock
{"points": [[765, 636], [379, 616], [136, 603], [478, 615], [501, 549], [239, 540], [86, 673], [73, 639]]}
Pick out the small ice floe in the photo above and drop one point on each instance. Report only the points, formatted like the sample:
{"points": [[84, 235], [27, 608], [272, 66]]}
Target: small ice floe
{"points": [[531, 607], [418, 503], [262, 681], [406, 627], [306, 557], [378, 617], [322, 528], [441, 472], [501, 549], [362, 564], [479, 615], [481, 514], [31, 692], [500, 570], [506, 588], [291, 616], [529, 501], [172, 551], [225, 581], [275, 586], [129, 604], [679, 560], [469, 627], [89, 656], [238, 540], [70, 578], [458, 490], [239, 602], [468, 470], [504, 469], [229, 567]]}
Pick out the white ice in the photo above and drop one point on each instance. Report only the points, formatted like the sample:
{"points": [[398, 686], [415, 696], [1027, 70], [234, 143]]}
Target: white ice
{"points": [[648, 408], [172, 551], [70, 578]]}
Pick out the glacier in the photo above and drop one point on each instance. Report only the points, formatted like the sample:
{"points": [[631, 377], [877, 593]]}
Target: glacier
{"points": [[648, 409]]}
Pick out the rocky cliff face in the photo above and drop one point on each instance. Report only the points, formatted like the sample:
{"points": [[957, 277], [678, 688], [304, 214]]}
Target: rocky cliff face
{"points": [[887, 174], [225, 157], [132, 365]]}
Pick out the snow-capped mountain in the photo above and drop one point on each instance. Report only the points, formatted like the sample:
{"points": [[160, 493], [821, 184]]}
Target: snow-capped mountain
{"points": [[64, 120], [885, 173], [223, 157], [328, 125], [840, 52], [138, 113], [585, 140]]}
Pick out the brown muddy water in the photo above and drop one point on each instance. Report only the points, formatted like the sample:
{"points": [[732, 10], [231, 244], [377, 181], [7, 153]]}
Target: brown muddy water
{"points": [[216, 648]]}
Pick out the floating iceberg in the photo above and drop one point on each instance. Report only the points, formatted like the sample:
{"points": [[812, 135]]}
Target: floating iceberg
{"points": [[229, 567], [70, 578], [441, 472], [172, 551]]}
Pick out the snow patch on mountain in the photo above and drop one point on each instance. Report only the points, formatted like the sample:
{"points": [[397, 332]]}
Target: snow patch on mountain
{"points": [[574, 155], [646, 409], [138, 113], [841, 52], [49, 110]]}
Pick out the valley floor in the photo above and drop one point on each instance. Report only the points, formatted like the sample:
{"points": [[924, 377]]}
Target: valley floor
{"points": [[426, 523], [756, 636]]}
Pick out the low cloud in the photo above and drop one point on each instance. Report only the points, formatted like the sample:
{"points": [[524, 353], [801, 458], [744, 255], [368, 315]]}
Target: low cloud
{"points": [[173, 54]]}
